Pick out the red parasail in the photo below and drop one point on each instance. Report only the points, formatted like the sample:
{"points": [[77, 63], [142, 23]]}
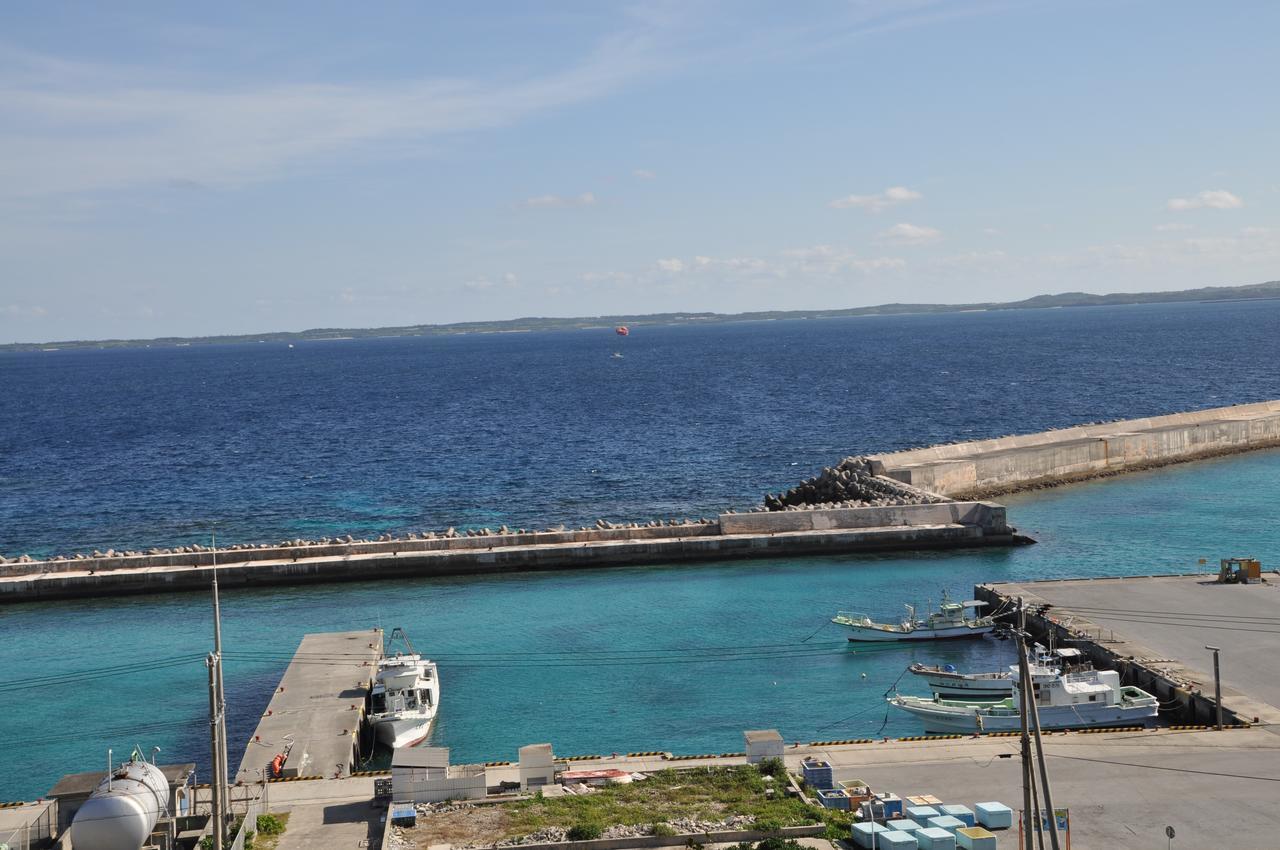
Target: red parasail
{"points": [[622, 330]]}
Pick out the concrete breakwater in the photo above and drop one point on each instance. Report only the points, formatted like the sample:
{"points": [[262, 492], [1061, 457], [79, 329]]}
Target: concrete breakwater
{"points": [[758, 534], [986, 468]]}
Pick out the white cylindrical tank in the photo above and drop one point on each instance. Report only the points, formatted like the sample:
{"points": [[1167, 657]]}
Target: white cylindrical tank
{"points": [[122, 810]]}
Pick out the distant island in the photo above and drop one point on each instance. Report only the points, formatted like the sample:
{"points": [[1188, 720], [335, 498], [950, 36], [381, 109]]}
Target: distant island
{"points": [[1253, 292]]}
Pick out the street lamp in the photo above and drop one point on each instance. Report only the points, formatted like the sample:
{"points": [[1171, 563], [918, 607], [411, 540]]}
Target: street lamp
{"points": [[1217, 684]]}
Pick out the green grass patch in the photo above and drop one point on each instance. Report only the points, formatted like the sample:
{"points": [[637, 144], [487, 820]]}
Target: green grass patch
{"points": [[710, 794]]}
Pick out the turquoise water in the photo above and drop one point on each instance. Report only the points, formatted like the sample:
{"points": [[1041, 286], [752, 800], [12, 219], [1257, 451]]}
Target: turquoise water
{"points": [[679, 658]]}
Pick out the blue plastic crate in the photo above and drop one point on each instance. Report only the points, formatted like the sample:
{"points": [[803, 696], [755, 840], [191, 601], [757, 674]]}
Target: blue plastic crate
{"points": [[862, 832], [963, 813], [947, 822], [921, 814], [994, 815], [932, 838], [903, 825], [896, 839], [817, 774]]}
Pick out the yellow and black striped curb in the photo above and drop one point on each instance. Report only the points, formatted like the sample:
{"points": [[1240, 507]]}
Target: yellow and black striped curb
{"points": [[497, 763], [370, 773], [931, 737], [841, 743], [732, 755], [1112, 729], [647, 753], [293, 778], [12, 805], [581, 758], [686, 758]]}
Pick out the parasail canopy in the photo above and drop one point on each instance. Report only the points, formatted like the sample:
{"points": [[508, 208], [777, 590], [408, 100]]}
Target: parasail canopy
{"points": [[622, 330]]}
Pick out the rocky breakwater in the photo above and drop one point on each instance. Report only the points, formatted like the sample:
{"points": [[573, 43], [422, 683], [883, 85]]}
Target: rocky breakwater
{"points": [[849, 484]]}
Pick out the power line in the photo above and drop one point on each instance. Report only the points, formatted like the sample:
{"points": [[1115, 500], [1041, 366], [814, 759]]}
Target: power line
{"points": [[1172, 769]]}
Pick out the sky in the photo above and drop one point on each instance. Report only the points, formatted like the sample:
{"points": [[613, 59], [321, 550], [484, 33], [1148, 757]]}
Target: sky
{"points": [[191, 169]]}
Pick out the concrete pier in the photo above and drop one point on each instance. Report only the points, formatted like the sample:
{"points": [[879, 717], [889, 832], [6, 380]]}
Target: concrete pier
{"points": [[317, 709], [986, 468], [1154, 630], [750, 535]]}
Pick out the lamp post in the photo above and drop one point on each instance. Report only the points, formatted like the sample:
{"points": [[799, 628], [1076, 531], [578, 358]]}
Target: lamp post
{"points": [[1217, 685]]}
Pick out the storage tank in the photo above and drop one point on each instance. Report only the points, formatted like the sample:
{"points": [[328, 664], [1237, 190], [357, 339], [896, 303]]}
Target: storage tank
{"points": [[122, 810]]}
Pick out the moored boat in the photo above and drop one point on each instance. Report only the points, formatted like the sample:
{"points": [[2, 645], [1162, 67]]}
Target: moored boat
{"points": [[951, 620], [1082, 700], [948, 683], [404, 697]]}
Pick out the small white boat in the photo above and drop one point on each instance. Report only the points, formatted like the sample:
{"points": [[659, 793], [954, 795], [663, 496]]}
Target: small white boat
{"points": [[951, 620], [1084, 700], [948, 683], [404, 697]]}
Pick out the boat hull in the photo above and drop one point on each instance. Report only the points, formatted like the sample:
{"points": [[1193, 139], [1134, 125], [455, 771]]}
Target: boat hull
{"points": [[941, 721], [404, 732], [861, 634]]}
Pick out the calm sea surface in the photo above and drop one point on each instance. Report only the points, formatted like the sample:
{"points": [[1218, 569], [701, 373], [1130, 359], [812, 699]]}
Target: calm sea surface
{"points": [[153, 447]]}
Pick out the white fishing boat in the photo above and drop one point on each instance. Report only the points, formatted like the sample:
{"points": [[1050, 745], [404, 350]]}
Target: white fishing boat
{"points": [[951, 620], [404, 697], [1083, 700], [948, 683]]}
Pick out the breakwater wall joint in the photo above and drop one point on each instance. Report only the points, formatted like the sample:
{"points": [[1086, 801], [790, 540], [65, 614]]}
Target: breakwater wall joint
{"points": [[1027, 461]]}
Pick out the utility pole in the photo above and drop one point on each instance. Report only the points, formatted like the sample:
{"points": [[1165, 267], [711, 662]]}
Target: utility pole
{"points": [[217, 649], [1028, 777], [215, 754], [1217, 684], [1033, 712]]}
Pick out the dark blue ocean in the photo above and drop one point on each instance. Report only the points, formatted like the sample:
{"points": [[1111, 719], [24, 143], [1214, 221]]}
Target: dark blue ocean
{"points": [[152, 447], [160, 446]]}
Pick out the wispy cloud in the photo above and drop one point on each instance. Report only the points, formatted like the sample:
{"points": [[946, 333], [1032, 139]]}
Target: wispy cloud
{"points": [[890, 197], [909, 234], [1172, 226], [586, 199], [73, 128], [1214, 199], [644, 174]]}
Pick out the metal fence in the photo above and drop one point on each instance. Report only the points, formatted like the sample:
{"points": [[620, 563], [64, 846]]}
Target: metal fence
{"points": [[35, 833]]}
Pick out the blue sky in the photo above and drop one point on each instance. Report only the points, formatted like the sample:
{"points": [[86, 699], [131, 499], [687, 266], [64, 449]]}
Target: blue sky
{"points": [[179, 169]]}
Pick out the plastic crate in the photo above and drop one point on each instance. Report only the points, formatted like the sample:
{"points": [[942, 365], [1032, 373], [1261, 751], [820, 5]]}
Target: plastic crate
{"points": [[963, 813], [932, 838], [994, 815], [975, 838]]}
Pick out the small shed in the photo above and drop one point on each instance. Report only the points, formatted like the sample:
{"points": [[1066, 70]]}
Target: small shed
{"points": [[424, 775], [762, 744], [537, 766]]}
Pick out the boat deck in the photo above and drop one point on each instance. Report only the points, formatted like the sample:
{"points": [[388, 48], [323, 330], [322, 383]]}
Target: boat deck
{"points": [[319, 706]]}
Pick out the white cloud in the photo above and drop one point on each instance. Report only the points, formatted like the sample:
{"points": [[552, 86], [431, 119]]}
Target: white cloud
{"points": [[479, 284], [586, 199], [1172, 226], [74, 128], [1214, 199], [643, 174], [909, 234], [991, 231], [890, 197], [673, 265], [510, 279]]}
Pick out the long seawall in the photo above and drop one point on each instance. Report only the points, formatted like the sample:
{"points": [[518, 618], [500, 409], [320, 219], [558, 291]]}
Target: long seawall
{"points": [[988, 468], [758, 534]]}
